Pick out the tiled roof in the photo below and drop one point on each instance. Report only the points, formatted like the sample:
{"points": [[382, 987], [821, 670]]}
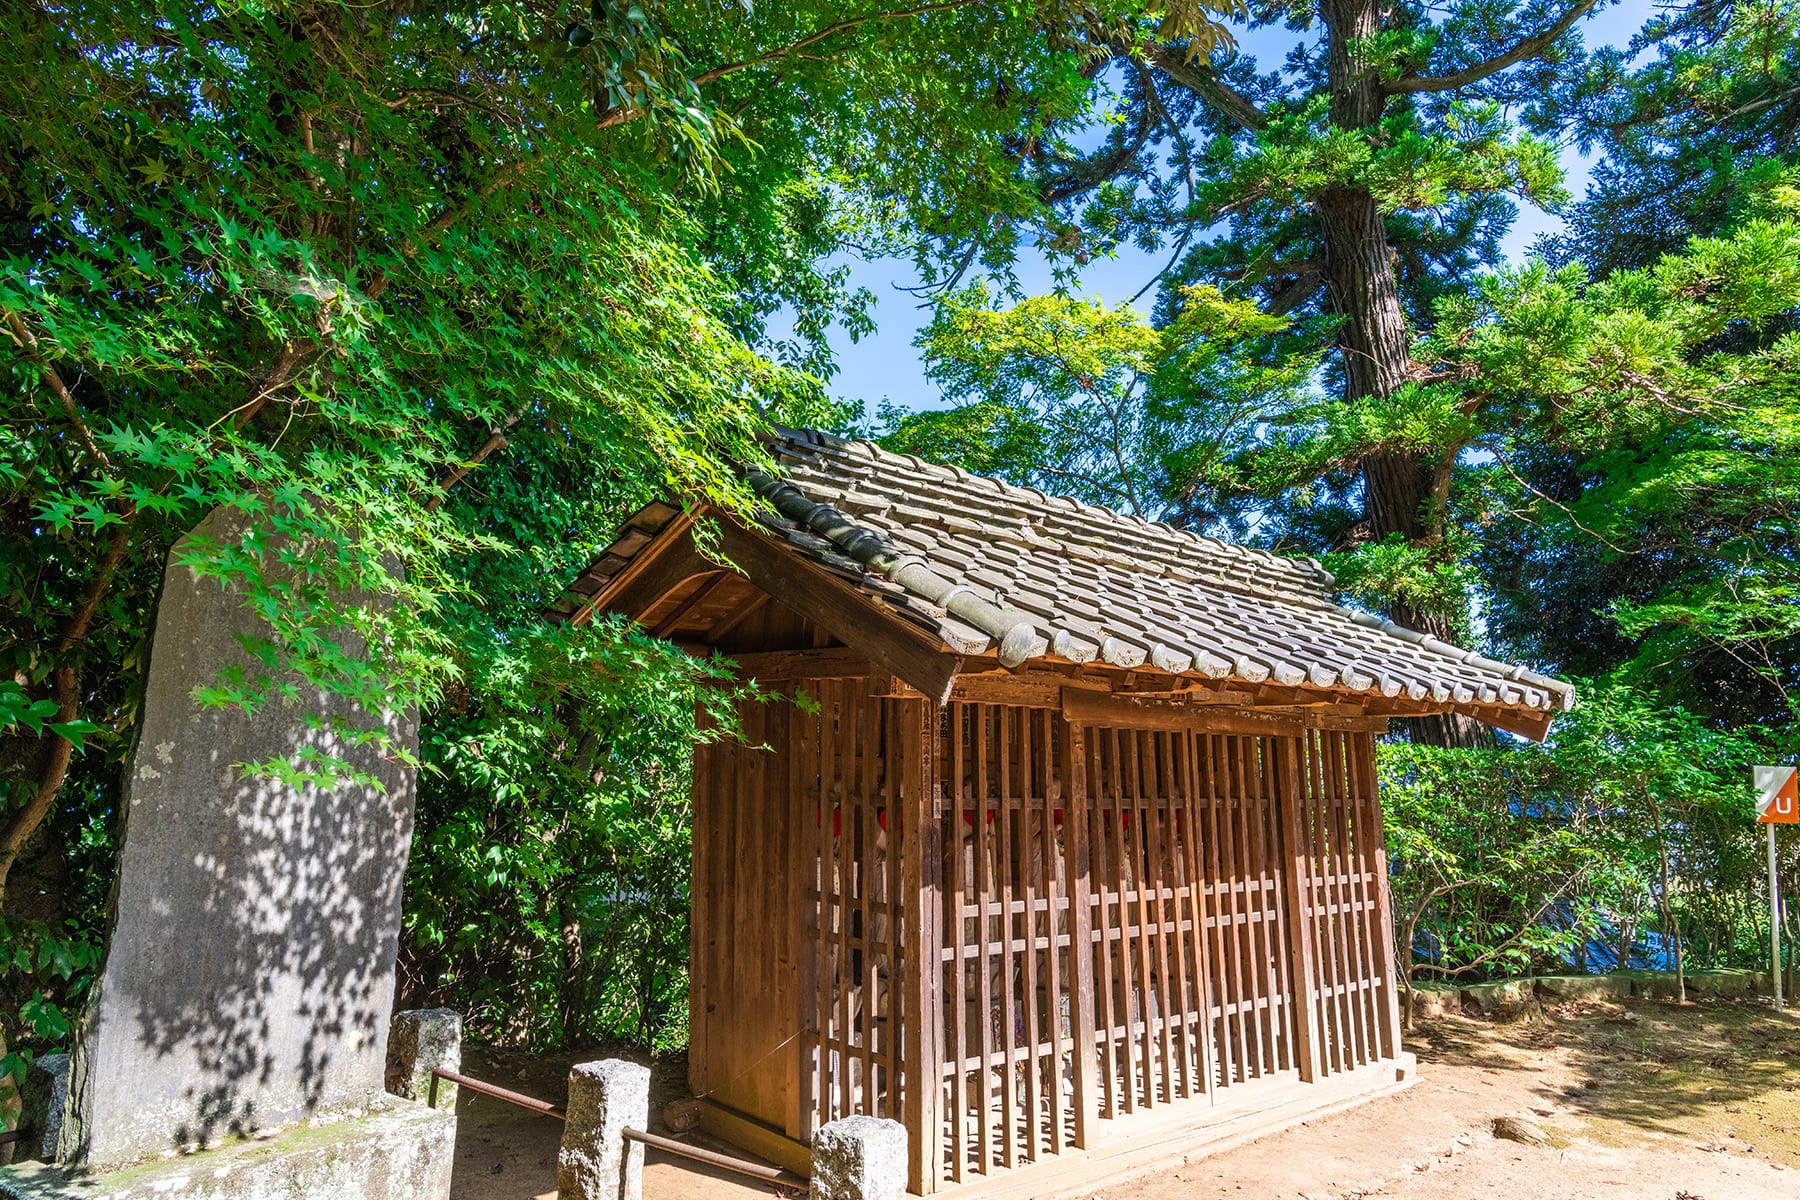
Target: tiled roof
{"points": [[1025, 575]]}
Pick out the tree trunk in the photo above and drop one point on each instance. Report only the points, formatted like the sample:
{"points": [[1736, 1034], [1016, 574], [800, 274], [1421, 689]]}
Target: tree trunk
{"points": [[1365, 291]]}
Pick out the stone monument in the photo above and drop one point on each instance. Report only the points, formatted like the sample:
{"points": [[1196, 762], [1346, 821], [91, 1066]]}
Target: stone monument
{"points": [[249, 974]]}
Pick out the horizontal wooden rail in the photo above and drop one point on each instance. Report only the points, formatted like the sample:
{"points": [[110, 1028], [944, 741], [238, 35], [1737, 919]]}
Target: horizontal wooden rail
{"points": [[742, 1166], [542, 1107]]}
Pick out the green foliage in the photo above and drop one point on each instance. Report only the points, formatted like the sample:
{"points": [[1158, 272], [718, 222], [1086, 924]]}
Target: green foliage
{"points": [[1095, 402], [1511, 860], [432, 300]]}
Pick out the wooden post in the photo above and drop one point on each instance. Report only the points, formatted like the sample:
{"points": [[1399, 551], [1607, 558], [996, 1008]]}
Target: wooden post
{"points": [[1299, 884], [1081, 932], [1387, 962], [921, 1031]]}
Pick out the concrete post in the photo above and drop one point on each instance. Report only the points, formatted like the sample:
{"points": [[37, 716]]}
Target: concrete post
{"points": [[859, 1158], [419, 1042], [597, 1163]]}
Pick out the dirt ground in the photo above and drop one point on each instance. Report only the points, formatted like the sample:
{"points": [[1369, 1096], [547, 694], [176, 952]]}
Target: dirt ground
{"points": [[1641, 1101]]}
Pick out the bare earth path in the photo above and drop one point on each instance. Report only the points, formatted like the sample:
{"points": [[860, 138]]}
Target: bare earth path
{"points": [[1642, 1101]]}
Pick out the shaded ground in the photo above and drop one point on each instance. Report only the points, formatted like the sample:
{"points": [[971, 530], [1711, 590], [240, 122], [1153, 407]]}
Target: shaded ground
{"points": [[1640, 1101]]}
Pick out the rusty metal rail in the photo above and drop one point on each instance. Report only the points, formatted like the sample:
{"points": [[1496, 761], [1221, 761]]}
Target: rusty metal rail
{"points": [[541, 1107], [742, 1166]]}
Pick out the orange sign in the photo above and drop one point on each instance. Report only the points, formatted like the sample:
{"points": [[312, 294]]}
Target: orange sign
{"points": [[1777, 796]]}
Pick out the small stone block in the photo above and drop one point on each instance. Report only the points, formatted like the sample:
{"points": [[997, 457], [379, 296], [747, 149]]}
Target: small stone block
{"points": [[46, 1097], [859, 1158], [1502, 999], [420, 1042], [596, 1162]]}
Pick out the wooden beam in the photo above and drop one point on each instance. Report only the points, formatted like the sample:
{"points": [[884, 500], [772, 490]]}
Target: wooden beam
{"points": [[1526, 724], [1029, 690], [921, 1035], [840, 609], [661, 567], [833, 662], [700, 595], [1092, 708], [1291, 798]]}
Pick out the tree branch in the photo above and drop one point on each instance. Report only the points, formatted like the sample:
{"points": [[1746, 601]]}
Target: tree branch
{"points": [[820, 35], [27, 342], [1203, 81], [1530, 47], [22, 824]]}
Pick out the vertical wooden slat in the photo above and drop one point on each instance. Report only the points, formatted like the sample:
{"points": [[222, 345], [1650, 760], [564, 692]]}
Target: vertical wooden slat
{"points": [[1257, 934], [1290, 799], [1199, 911], [984, 938], [1157, 844], [1003, 888], [1056, 924], [801, 875], [1027, 843], [1131, 968], [921, 1035], [1282, 966], [1357, 898], [1226, 1048], [1335, 866], [701, 891], [1106, 889], [1082, 1016], [1384, 906], [1181, 985], [957, 897]]}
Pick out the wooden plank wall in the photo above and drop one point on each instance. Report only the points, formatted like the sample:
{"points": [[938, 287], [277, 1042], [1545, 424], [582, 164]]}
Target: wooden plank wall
{"points": [[742, 956]]}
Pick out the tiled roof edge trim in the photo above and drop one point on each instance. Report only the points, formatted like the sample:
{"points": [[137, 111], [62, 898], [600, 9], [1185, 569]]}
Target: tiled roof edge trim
{"points": [[1014, 631], [1565, 692]]}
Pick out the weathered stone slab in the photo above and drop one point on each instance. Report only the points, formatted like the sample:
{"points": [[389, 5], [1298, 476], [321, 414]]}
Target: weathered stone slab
{"points": [[1595, 988], [1502, 999], [1432, 999], [250, 970], [1726, 982], [397, 1150], [859, 1158], [596, 1162]]}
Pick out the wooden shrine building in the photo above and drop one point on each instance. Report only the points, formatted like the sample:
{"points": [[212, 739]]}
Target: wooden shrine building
{"points": [[1070, 857]]}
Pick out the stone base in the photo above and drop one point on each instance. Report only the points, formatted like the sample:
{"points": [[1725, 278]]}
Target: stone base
{"points": [[397, 1150]]}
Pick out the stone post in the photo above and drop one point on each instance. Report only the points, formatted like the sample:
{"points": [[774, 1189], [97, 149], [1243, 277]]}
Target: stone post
{"points": [[859, 1158], [45, 1096], [597, 1163], [419, 1042]]}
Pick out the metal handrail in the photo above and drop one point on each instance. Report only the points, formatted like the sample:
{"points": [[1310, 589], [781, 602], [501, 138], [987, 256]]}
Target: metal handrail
{"points": [[541, 1107], [742, 1166]]}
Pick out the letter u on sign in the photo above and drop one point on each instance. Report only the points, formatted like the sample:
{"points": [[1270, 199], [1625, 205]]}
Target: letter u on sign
{"points": [[1777, 796]]}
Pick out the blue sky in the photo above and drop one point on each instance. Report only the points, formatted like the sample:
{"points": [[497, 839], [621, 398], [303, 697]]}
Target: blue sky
{"points": [[886, 364]]}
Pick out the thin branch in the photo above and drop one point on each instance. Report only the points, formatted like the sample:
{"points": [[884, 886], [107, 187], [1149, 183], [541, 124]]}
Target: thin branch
{"points": [[27, 342], [496, 441], [1530, 47], [820, 35], [1199, 78]]}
